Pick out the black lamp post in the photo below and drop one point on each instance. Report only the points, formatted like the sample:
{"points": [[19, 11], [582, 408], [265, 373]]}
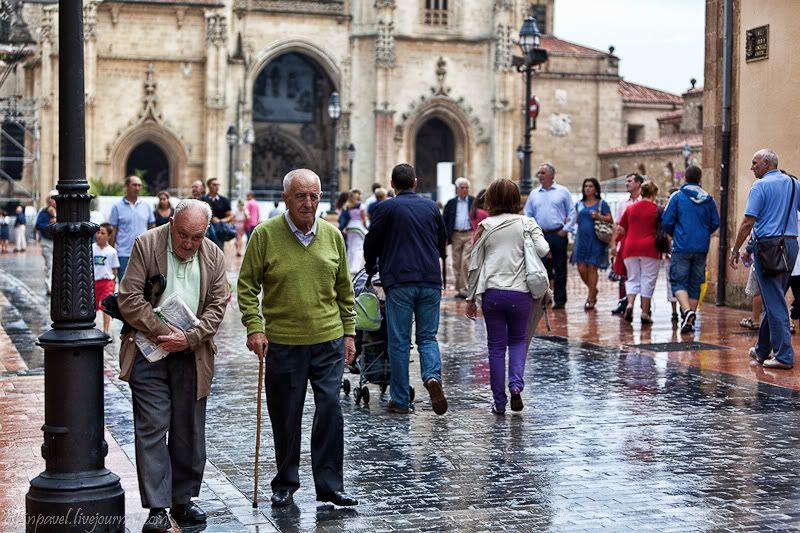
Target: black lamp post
{"points": [[75, 485], [351, 156], [529, 38], [231, 137], [687, 152], [334, 111]]}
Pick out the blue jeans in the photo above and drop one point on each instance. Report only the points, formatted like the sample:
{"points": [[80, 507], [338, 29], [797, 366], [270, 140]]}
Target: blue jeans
{"points": [[687, 272], [774, 332], [123, 265], [404, 303]]}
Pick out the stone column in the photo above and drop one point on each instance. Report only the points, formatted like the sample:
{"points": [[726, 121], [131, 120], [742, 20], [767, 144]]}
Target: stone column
{"points": [[215, 97], [384, 116]]}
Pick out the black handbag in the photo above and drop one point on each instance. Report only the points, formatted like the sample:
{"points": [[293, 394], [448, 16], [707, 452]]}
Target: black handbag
{"points": [[771, 252], [662, 240]]}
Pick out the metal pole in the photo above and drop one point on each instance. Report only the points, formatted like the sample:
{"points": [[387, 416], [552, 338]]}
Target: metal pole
{"points": [[525, 183], [75, 486], [334, 173], [230, 172]]}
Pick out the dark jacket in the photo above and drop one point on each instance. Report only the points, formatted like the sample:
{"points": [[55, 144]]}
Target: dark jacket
{"points": [[450, 215], [690, 217], [406, 239], [43, 224]]}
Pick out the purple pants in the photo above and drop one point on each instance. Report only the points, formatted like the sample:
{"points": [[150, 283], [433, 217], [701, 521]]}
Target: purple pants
{"points": [[506, 314]]}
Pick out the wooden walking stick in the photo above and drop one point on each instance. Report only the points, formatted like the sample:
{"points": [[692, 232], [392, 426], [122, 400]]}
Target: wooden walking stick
{"points": [[258, 429]]}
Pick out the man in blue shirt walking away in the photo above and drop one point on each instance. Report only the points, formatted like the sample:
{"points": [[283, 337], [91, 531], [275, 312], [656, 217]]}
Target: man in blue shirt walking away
{"points": [[406, 242], [690, 218], [130, 217], [771, 213]]}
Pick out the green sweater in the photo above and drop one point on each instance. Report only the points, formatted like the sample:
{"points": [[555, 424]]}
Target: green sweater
{"points": [[307, 293]]}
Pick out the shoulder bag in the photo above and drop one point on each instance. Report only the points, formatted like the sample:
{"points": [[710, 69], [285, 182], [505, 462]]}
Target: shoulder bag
{"points": [[771, 252], [535, 273], [662, 240], [603, 230]]}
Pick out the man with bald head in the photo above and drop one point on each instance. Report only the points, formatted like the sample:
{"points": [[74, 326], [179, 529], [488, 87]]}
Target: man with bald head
{"points": [[305, 328], [169, 395], [130, 217], [771, 215], [198, 189]]}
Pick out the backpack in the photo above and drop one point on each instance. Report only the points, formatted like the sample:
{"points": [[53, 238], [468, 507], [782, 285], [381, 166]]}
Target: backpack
{"points": [[368, 312]]}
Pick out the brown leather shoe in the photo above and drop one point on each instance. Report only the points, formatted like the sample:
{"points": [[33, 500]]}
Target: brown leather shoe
{"points": [[396, 409], [438, 400]]}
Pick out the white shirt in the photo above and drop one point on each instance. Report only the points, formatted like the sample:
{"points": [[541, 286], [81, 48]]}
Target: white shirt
{"points": [[105, 260], [304, 238]]}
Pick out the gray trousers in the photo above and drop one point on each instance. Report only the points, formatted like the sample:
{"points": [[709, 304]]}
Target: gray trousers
{"points": [[170, 429], [47, 253], [288, 371]]}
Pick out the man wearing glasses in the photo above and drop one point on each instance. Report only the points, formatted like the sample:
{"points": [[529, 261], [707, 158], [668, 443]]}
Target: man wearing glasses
{"points": [[304, 327]]}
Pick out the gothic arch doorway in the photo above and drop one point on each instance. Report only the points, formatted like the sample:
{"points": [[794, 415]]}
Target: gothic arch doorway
{"points": [[434, 143], [290, 119], [150, 162]]}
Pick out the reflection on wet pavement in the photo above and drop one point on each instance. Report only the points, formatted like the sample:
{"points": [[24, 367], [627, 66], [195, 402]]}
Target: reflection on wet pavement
{"points": [[610, 437]]}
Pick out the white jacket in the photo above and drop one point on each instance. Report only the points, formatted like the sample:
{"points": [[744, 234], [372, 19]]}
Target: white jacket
{"points": [[497, 260]]}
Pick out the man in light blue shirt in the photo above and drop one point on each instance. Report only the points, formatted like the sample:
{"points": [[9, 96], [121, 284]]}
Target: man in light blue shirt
{"points": [[771, 212], [551, 205], [130, 217]]}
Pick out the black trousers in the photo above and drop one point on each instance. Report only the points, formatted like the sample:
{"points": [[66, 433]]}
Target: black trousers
{"points": [[557, 265], [169, 429], [288, 371]]}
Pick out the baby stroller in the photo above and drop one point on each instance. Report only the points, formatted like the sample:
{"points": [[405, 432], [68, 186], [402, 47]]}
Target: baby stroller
{"points": [[372, 355]]}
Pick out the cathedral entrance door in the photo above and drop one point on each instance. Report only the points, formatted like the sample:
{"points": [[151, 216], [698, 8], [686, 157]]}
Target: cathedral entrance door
{"points": [[150, 162], [435, 143]]}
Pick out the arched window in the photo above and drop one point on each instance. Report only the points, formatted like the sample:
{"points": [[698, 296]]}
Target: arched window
{"points": [[149, 162]]}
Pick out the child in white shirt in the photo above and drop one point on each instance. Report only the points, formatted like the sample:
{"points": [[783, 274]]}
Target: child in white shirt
{"points": [[106, 263]]}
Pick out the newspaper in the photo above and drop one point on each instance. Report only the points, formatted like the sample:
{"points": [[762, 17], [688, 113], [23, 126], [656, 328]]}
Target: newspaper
{"points": [[173, 310]]}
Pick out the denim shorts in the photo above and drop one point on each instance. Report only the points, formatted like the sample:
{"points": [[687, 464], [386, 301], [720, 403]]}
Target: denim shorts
{"points": [[687, 271]]}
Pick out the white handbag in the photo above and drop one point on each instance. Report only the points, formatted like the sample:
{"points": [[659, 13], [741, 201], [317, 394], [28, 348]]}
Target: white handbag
{"points": [[535, 273]]}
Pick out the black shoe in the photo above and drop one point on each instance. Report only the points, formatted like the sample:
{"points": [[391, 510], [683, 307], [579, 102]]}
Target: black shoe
{"points": [[188, 513], [282, 498], [621, 306], [438, 400], [337, 497], [516, 402], [157, 521], [558, 306]]}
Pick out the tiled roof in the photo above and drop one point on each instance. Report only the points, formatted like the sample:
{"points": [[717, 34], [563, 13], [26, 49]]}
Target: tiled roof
{"points": [[678, 113], [554, 45], [635, 93], [667, 143]]}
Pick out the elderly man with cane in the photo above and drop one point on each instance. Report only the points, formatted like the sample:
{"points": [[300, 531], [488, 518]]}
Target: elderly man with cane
{"points": [[169, 394], [304, 328]]}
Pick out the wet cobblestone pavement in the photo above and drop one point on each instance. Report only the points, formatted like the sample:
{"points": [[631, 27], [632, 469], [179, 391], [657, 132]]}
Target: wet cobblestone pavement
{"points": [[612, 436]]}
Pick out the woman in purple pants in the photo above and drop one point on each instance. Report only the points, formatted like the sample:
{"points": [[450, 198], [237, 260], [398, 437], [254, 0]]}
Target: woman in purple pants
{"points": [[497, 282]]}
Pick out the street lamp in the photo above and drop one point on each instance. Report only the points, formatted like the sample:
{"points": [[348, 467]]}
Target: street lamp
{"points": [[529, 39], [75, 482], [687, 151], [351, 156], [232, 136], [334, 112]]}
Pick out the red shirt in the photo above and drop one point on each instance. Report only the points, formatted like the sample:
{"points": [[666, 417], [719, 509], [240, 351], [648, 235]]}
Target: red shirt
{"points": [[640, 221]]}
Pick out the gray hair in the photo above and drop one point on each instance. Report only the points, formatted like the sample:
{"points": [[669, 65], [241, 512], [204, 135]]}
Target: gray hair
{"points": [[769, 157], [462, 181], [550, 168], [287, 179], [191, 203]]}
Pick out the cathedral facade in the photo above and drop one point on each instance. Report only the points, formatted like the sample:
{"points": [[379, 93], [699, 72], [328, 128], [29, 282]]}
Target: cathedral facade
{"points": [[185, 90]]}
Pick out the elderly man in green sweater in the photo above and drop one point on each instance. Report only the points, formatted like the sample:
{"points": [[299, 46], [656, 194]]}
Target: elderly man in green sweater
{"points": [[305, 327]]}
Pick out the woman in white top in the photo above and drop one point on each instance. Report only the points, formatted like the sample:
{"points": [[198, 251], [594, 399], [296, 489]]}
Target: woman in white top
{"points": [[497, 276]]}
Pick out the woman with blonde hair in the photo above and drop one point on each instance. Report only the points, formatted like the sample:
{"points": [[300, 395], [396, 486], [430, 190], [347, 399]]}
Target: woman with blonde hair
{"points": [[497, 281], [639, 224]]}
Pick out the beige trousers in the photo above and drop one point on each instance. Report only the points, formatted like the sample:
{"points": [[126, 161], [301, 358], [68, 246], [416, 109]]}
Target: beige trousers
{"points": [[461, 239]]}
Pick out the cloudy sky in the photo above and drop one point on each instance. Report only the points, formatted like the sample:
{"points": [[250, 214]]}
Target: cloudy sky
{"points": [[660, 43]]}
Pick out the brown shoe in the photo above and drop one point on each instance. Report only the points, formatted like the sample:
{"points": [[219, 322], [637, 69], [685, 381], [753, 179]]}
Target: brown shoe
{"points": [[438, 400], [394, 408]]}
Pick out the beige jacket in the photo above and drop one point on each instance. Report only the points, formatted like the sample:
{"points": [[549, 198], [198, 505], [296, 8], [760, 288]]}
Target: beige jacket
{"points": [[148, 259], [497, 260]]}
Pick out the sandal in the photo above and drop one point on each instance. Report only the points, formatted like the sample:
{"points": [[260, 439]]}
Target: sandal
{"points": [[646, 319], [589, 305], [748, 323]]}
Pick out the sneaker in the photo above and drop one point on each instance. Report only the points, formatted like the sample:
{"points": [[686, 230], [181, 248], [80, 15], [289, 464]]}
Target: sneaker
{"points": [[778, 365], [755, 357], [622, 304], [394, 408], [687, 324], [516, 402], [438, 400]]}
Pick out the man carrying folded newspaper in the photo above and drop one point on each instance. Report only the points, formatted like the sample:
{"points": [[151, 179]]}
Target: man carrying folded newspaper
{"points": [[168, 358]]}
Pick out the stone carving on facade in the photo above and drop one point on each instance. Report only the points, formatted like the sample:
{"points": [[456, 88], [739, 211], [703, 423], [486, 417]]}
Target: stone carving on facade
{"points": [[180, 15], [273, 153], [560, 125], [115, 8], [503, 5], [384, 4], [384, 45], [445, 101], [46, 29], [150, 111], [90, 20], [441, 74], [240, 7], [216, 30], [502, 50]]}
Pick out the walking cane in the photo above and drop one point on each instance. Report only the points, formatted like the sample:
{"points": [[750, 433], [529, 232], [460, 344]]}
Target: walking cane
{"points": [[258, 430]]}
